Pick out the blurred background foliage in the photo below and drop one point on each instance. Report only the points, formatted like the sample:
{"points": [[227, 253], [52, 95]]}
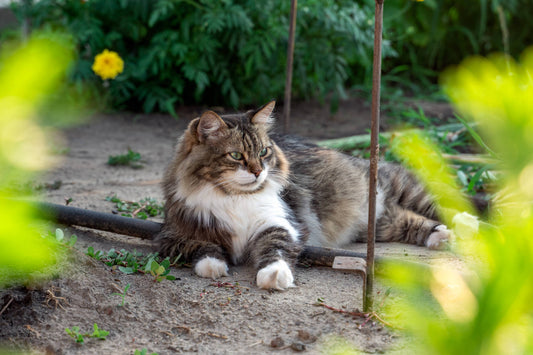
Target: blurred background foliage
{"points": [[233, 52]]}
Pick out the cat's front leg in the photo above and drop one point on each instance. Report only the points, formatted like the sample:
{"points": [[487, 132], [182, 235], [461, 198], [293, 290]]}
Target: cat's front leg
{"points": [[275, 252], [276, 275], [439, 238], [208, 259], [211, 267]]}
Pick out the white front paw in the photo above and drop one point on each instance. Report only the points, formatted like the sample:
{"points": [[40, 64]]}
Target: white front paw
{"points": [[211, 268], [438, 240], [277, 275]]}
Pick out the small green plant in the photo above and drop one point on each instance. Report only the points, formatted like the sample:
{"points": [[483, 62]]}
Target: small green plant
{"points": [[131, 159], [475, 178], [75, 334], [159, 271], [415, 117], [31, 187], [59, 236], [134, 262], [147, 207], [95, 254], [144, 351], [127, 262], [122, 294]]}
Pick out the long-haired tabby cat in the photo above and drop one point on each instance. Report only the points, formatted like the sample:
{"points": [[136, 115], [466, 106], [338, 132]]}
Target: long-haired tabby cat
{"points": [[237, 194]]}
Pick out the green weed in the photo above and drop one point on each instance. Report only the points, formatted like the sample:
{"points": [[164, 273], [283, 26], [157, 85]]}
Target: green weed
{"points": [[135, 262], [131, 159], [122, 294], [474, 178], [159, 271], [59, 236], [147, 207], [95, 254], [144, 351], [79, 337], [32, 187]]}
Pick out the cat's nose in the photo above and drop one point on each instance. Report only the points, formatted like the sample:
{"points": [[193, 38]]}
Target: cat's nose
{"points": [[257, 172]]}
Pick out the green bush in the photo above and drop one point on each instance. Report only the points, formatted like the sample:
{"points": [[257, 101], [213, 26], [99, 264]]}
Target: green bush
{"points": [[233, 52], [230, 52], [434, 34]]}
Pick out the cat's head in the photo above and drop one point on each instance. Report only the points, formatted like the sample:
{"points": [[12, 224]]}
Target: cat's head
{"points": [[234, 153]]}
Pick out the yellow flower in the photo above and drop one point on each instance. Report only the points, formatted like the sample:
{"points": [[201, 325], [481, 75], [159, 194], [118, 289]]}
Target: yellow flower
{"points": [[108, 64]]}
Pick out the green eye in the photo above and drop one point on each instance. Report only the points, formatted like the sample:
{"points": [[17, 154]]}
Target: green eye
{"points": [[236, 155], [263, 152]]}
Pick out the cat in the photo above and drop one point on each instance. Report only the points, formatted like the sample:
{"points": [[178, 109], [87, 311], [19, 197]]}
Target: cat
{"points": [[235, 193]]}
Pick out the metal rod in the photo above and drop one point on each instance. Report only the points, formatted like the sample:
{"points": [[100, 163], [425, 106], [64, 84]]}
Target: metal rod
{"points": [[374, 157], [26, 21], [288, 75]]}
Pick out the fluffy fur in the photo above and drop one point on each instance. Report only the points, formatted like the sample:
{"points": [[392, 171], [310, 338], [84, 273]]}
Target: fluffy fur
{"points": [[237, 193]]}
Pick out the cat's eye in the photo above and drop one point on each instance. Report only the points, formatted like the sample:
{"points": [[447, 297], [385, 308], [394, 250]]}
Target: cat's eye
{"points": [[236, 155], [263, 152]]}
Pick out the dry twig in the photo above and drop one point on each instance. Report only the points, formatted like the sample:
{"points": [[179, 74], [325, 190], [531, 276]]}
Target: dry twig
{"points": [[27, 326], [50, 296], [7, 305], [367, 315]]}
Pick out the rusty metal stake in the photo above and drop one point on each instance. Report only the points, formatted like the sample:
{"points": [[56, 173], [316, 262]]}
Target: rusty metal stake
{"points": [[288, 75], [374, 157], [26, 21]]}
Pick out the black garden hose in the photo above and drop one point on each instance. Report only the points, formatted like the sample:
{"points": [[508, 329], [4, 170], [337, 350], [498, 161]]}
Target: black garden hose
{"points": [[139, 228]]}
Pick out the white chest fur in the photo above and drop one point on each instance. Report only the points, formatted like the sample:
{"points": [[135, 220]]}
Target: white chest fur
{"points": [[244, 216]]}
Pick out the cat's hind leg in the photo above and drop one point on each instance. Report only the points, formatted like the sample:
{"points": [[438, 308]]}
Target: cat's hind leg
{"points": [[274, 253], [401, 225]]}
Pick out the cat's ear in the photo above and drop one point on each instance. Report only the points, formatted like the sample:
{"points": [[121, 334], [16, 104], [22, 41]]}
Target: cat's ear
{"points": [[210, 126], [263, 116]]}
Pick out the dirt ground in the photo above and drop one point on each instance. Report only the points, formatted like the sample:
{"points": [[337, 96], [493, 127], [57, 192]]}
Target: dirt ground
{"points": [[190, 314]]}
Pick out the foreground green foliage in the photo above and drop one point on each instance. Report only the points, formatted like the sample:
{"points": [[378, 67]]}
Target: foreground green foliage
{"points": [[30, 75], [487, 308]]}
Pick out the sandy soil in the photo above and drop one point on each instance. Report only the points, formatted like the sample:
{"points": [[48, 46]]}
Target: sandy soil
{"points": [[189, 314]]}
